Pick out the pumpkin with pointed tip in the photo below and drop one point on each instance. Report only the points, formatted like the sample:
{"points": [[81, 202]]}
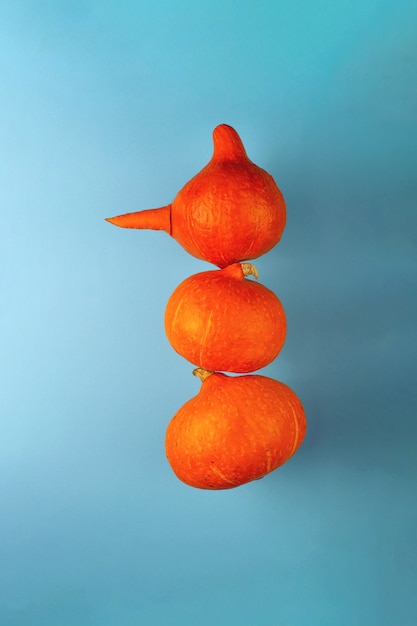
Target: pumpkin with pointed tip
{"points": [[220, 320], [235, 430], [231, 211]]}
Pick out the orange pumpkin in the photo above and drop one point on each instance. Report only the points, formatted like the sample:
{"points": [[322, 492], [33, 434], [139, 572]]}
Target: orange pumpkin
{"points": [[235, 430], [231, 211], [220, 320]]}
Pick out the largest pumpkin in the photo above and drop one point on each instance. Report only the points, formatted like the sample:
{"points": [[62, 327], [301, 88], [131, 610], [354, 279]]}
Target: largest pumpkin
{"points": [[235, 430]]}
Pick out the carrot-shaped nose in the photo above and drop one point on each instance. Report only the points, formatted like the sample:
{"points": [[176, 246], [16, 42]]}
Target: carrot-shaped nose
{"points": [[153, 219]]}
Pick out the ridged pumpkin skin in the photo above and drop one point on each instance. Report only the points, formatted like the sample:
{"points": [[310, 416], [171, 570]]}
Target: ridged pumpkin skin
{"points": [[235, 430], [220, 320], [231, 211]]}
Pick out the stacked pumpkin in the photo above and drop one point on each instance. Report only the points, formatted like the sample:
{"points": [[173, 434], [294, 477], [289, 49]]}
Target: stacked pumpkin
{"points": [[237, 428]]}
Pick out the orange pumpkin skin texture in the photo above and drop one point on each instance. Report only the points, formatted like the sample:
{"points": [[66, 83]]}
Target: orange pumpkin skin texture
{"points": [[220, 320], [235, 430], [231, 211]]}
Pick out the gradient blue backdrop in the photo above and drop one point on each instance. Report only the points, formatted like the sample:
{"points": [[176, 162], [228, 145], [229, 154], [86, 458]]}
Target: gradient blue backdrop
{"points": [[108, 107]]}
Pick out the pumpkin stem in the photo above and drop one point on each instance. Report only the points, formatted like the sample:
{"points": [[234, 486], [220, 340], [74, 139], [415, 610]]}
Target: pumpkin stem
{"points": [[249, 269], [202, 374]]}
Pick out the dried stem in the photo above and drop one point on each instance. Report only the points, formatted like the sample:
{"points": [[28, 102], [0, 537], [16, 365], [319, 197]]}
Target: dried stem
{"points": [[202, 374], [249, 269]]}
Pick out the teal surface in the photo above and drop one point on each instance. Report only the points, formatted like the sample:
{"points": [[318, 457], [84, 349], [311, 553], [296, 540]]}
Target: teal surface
{"points": [[108, 107]]}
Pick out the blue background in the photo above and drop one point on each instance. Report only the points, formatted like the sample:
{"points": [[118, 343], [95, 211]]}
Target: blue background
{"points": [[108, 107]]}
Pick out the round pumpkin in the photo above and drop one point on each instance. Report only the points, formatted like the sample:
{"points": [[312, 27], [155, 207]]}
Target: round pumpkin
{"points": [[231, 211], [235, 430], [220, 320]]}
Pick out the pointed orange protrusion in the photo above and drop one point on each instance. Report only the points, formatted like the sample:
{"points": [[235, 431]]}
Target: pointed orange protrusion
{"points": [[228, 145], [153, 219]]}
